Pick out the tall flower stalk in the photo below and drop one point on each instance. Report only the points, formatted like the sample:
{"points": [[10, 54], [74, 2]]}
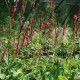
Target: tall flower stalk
{"points": [[53, 8], [22, 11], [75, 20], [52, 27], [4, 52], [77, 30], [52, 13], [33, 4], [26, 37], [51, 2], [75, 27], [57, 37], [46, 23], [64, 29], [3, 29], [13, 11], [41, 23], [17, 47]]}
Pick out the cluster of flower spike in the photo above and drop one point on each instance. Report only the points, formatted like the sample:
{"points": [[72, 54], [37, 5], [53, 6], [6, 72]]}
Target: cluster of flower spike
{"points": [[26, 37], [47, 21]]}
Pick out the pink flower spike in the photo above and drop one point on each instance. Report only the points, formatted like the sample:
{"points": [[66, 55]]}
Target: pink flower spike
{"points": [[47, 22], [33, 4], [53, 22], [75, 17], [5, 49], [51, 30], [3, 28], [41, 23], [51, 2], [13, 9], [32, 32], [64, 29], [57, 37], [4, 52]]}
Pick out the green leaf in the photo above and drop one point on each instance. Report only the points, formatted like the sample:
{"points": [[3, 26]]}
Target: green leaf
{"points": [[2, 76], [6, 58], [62, 77]]}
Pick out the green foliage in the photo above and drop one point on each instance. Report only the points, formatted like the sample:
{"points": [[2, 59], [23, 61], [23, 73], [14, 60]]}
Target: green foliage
{"points": [[42, 56]]}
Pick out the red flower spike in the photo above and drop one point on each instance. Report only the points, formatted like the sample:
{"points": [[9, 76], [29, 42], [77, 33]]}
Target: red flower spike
{"points": [[25, 39], [2, 58], [31, 23], [32, 32], [47, 22], [74, 37], [5, 49], [27, 30], [78, 14], [77, 31], [51, 30], [44, 31], [51, 2], [17, 47], [64, 29], [53, 22], [4, 52], [22, 9], [52, 14], [41, 23], [3, 28], [16, 3], [46, 25], [12, 20], [75, 19], [57, 37], [42, 13], [33, 4], [13, 9]]}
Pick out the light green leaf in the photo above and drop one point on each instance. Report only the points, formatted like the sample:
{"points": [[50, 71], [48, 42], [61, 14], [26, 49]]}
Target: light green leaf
{"points": [[62, 77], [2, 76]]}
